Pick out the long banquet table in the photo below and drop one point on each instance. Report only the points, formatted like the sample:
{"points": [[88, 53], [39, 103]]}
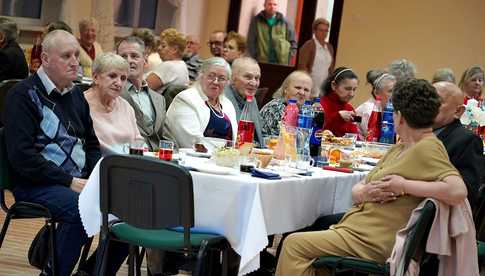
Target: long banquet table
{"points": [[247, 209]]}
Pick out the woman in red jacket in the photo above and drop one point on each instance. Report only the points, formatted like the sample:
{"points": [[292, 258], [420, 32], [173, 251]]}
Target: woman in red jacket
{"points": [[338, 89]]}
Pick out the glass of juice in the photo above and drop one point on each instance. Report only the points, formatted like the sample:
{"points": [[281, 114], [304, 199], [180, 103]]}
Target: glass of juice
{"points": [[137, 147], [166, 150]]}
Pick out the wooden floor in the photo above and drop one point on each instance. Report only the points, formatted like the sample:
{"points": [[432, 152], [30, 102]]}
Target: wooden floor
{"points": [[13, 254]]}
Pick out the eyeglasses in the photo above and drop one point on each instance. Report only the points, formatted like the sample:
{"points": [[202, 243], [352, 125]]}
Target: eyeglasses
{"points": [[213, 78], [214, 43]]}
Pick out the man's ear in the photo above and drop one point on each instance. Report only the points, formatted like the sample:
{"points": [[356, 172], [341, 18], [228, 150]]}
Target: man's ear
{"points": [[44, 57], [459, 111]]}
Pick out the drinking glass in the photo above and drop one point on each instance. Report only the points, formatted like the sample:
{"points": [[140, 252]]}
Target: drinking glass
{"points": [[137, 147], [166, 150]]}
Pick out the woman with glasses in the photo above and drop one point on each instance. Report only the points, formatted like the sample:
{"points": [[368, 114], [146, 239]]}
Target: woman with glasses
{"points": [[203, 110], [298, 85]]}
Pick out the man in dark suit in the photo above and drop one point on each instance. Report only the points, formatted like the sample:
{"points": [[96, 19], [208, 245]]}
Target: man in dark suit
{"points": [[464, 148], [12, 59]]}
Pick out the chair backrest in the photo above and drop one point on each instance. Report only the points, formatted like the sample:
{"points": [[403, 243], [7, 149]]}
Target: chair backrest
{"points": [[170, 92], [145, 192], [4, 88], [415, 244], [5, 183]]}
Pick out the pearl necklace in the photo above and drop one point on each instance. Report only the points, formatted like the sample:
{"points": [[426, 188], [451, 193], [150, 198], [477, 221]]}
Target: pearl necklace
{"points": [[212, 108]]}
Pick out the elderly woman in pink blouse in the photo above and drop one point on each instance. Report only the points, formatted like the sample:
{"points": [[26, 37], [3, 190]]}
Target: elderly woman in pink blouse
{"points": [[113, 118]]}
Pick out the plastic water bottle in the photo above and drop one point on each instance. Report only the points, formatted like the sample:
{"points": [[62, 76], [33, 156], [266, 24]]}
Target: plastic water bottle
{"points": [[245, 127], [305, 124], [290, 117], [318, 119], [387, 128], [305, 118], [374, 124]]}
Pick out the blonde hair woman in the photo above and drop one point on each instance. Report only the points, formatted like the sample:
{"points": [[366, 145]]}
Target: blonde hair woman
{"points": [[471, 83], [173, 70], [298, 85], [113, 118]]}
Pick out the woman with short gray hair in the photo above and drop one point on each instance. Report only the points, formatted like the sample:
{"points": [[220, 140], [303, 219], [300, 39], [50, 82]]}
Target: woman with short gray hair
{"points": [[113, 118], [12, 58], [203, 110]]}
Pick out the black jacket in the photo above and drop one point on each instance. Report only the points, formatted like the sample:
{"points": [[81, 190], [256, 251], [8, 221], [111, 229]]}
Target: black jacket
{"points": [[465, 150], [12, 62]]}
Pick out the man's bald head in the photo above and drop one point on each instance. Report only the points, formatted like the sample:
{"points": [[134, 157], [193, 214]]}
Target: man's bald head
{"points": [[451, 103]]}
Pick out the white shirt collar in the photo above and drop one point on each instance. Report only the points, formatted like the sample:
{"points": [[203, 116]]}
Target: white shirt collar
{"points": [[49, 85]]}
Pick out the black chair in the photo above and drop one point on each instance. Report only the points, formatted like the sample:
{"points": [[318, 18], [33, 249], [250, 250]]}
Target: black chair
{"points": [[414, 248], [5, 86], [170, 92], [148, 196], [26, 210]]}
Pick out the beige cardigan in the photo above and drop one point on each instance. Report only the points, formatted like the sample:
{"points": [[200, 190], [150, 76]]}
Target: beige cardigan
{"points": [[85, 60], [451, 237]]}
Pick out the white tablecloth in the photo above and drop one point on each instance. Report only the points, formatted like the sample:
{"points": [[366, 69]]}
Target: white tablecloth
{"points": [[246, 209]]}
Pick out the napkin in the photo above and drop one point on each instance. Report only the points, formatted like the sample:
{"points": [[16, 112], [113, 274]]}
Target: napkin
{"points": [[344, 170], [265, 174]]}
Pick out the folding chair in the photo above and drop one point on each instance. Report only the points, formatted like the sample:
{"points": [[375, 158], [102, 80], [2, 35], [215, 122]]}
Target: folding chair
{"points": [[5, 86], [414, 248], [149, 196]]}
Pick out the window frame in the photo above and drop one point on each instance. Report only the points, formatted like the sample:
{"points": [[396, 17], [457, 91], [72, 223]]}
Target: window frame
{"points": [[122, 31]]}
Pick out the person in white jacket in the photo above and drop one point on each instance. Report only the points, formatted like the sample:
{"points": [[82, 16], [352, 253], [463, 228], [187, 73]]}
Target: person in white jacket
{"points": [[202, 111]]}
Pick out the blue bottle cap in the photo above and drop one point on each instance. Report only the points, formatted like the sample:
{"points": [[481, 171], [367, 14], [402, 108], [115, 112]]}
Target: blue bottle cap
{"points": [[316, 100], [292, 101], [308, 102]]}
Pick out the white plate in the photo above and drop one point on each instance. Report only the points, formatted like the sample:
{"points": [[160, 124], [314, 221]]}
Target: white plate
{"points": [[208, 167], [194, 153]]}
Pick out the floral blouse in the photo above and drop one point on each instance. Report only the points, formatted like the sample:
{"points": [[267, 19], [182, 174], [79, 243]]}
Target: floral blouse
{"points": [[271, 115]]}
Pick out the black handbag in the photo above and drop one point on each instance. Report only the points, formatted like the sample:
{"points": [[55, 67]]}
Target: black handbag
{"points": [[39, 250]]}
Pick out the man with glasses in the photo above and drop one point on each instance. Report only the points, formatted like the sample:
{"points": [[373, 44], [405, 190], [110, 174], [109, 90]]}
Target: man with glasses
{"points": [[216, 43], [271, 38], [191, 57], [246, 75]]}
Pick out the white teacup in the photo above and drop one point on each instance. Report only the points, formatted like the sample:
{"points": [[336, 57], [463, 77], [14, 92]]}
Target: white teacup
{"points": [[304, 162]]}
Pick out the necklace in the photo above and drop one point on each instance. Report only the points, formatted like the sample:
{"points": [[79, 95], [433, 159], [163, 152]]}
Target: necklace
{"points": [[212, 108]]}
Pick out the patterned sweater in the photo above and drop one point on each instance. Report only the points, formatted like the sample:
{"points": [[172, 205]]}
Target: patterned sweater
{"points": [[49, 137]]}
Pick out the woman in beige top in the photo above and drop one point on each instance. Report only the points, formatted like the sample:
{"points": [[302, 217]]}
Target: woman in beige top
{"points": [[416, 168], [113, 117]]}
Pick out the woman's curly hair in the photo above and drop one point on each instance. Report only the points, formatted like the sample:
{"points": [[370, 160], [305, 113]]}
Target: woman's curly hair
{"points": [[174, 39], [418, 102]]}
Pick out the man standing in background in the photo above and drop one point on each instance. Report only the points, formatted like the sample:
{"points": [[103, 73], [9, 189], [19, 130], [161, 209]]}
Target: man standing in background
{"points": [[271, 38]]}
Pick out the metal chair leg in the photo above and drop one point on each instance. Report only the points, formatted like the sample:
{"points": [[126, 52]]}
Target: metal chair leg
{"points": [[200, 257], [132, 260], [6, 223], [53, 253], [84, 255], [101, 257]]}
